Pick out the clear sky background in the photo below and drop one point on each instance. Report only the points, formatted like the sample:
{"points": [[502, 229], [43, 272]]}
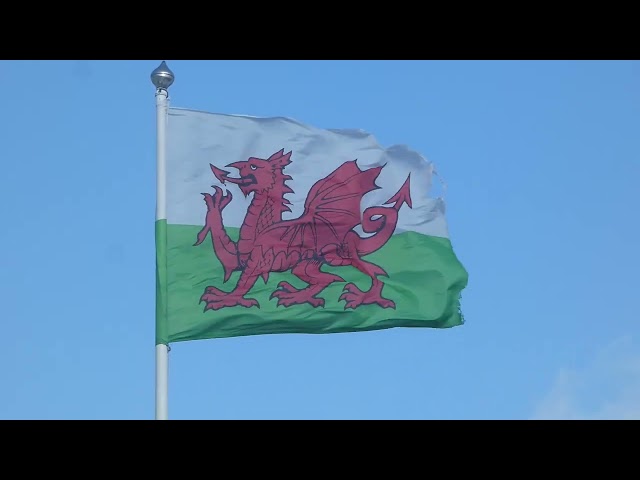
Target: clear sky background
{"points": [[542, 163]]}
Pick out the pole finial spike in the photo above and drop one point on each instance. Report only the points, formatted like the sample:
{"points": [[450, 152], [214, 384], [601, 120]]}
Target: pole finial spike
{"points": [[162, 77]]}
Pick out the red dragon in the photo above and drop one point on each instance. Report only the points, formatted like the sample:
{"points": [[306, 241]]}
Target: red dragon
{"points": [[323, 234]]}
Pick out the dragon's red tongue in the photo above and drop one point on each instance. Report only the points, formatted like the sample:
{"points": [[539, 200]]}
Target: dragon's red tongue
{"points": [[221, 174]]}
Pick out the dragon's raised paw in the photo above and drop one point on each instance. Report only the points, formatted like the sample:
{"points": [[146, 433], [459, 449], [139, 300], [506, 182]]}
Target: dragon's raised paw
{"points": [[216, 299], [218, 200], [213, 221]]}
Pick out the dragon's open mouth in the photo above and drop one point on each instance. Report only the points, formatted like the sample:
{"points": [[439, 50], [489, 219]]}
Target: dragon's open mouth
{"points": [[242, 181], [224, 177]]}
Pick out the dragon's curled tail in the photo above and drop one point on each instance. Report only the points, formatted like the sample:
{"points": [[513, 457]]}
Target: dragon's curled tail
{"points": [[384, 225]]}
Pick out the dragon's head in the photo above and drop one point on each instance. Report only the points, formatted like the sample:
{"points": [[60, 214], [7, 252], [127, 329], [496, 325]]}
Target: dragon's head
{"points": [[255, 174]]}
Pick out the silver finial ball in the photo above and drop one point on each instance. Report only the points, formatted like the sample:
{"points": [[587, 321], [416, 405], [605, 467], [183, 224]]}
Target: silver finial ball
{"points": [[162, 77]]}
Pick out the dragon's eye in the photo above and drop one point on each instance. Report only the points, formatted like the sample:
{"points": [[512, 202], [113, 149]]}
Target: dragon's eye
{"points": [[253, 167]]}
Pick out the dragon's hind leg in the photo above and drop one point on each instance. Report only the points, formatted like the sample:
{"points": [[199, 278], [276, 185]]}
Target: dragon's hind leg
{"points": [[309, 272], [353, 296]]}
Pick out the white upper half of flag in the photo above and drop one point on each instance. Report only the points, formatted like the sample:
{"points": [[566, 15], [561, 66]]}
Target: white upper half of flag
{"points": [[197, 139]]}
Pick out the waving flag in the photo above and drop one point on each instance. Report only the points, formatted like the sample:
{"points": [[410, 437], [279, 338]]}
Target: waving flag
{"points": [[274, 226]]}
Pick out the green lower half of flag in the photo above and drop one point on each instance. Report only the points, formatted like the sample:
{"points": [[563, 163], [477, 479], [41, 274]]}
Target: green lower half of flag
{"points": [[424, 281]]}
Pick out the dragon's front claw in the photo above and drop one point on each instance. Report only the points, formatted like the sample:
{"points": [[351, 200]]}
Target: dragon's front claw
{"points": [[216, 299], [218, 200], [215, 202]]}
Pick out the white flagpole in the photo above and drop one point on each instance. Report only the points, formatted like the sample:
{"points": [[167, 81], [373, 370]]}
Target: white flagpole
{"points": [[162, 78]]}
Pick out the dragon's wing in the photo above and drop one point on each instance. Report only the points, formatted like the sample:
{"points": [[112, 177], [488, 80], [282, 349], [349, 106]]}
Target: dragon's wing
{"points": [[332, 209]]}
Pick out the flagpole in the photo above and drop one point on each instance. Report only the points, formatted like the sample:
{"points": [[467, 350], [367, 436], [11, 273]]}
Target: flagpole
{"points": [[162, 78]]}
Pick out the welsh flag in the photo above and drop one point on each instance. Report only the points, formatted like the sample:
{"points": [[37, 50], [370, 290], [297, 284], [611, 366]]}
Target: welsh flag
{"points": [[273, 226]]}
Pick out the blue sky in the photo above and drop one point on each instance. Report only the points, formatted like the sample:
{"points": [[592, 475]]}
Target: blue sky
{"points": [[542, 163]]}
